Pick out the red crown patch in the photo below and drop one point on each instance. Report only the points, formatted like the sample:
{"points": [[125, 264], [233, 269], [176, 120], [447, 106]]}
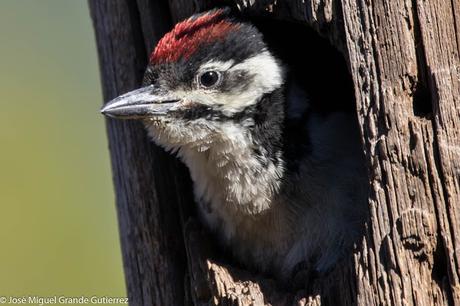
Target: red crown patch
{"points": [[183, 40]]}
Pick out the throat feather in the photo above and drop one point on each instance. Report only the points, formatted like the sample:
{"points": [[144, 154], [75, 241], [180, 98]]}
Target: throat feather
{"points": [[230, 175]]}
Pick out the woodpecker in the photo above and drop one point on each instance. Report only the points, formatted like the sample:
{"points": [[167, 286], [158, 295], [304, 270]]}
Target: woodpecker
{"points": [[279, 184]]}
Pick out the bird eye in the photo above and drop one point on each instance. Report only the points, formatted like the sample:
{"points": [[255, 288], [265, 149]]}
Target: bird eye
{"points": [[209, 78]]}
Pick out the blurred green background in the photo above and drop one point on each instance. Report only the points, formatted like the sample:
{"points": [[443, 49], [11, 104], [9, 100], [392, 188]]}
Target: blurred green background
{"points": [[58, 230]]}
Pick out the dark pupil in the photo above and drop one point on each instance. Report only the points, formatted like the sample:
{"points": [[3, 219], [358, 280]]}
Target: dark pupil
{"points": [[209, 78]]}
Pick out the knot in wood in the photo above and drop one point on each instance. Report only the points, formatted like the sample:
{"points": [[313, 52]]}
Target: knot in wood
{"points": [[417, 231]]}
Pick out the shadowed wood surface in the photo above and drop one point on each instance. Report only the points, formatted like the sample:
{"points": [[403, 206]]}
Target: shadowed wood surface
{"points": [[403, 58]]}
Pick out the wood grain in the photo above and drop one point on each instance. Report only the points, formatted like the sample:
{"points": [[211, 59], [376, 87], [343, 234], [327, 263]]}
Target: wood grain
{"points": [[404, 62], [145, 187]]}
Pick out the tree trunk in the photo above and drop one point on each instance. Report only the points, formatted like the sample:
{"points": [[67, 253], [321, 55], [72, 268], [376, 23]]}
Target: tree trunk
{"points": [[403, 58]]}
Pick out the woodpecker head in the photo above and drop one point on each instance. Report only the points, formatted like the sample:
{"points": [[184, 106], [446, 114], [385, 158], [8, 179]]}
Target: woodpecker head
{"points": [[206, 79]]}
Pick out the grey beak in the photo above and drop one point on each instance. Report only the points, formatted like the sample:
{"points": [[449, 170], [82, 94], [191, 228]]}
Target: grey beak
{"points": [[141, 103]]}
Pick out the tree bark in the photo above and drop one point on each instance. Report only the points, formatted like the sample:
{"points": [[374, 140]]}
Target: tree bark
{"points": [[403, 58]]}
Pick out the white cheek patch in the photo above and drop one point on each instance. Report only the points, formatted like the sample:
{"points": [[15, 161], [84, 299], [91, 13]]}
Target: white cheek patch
{"points": [[267, 73]]}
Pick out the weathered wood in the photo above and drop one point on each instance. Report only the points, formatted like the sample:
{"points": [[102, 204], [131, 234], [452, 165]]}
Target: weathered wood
{"points": [[324, 16], [404, 61], [399, 53], [145, 188]]}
